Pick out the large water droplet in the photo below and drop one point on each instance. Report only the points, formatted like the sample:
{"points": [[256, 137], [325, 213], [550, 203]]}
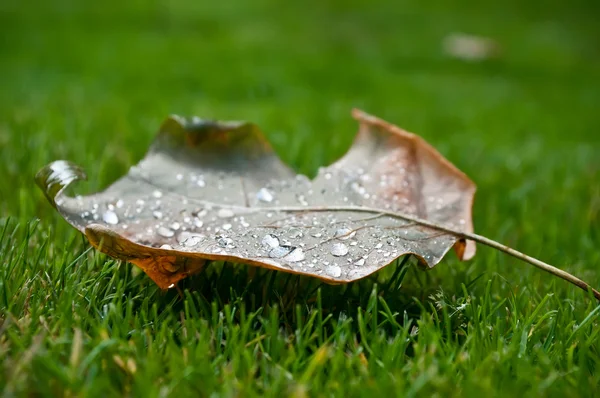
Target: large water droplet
{"points": [[344, 233], [360, 262], [333, 270], [225, 241], [280, 251], [193, 240], [225, 213], [264, 195], [270, 240], [296, 255], [165, 232], [302, 200], [198, 223], [339, 249], [110, 217]]}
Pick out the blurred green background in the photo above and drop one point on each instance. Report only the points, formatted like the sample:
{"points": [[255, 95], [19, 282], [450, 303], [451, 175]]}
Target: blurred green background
{"points": [[91, 82]]}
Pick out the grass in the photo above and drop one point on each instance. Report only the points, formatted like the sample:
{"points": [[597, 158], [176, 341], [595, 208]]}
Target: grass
{"points": [[91, 82]]}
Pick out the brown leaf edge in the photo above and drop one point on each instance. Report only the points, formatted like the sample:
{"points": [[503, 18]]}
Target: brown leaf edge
{"points": [[166, 270]]}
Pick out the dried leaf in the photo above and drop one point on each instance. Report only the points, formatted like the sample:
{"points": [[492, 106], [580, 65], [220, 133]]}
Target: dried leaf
{"points": [[216, 191]]}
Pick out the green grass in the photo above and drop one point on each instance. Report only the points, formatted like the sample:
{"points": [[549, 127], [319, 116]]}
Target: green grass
{"points": [[91, 82]]}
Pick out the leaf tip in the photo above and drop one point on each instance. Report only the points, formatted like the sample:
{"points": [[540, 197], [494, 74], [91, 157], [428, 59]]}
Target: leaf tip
{"points": [[55, 177]]}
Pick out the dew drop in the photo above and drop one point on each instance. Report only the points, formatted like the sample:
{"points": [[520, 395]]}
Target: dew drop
{"points": [[167, 247], [193, 240], [333, 270], [225, 213], [360, 262], [165, 232], [110, 217], [296, 255], [179, 177], [379, 246], [344, 233], [157, 214], [317, 235], [264, 195], [201, 183], [198, 223], [199, 212], [271, 241], [339, 249], [280, 251], [226, 227], [157, 194], [225, 241], [175, 226], [119, 203], [302, 200]]}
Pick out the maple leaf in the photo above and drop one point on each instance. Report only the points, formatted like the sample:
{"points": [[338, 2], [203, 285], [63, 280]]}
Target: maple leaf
{"points": [[211, 190]]}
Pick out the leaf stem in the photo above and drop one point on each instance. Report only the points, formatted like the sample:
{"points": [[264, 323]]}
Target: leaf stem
{"points": [[465, 235]]}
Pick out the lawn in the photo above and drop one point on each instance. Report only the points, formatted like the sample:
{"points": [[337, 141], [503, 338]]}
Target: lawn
{"points": [[91, 82]]}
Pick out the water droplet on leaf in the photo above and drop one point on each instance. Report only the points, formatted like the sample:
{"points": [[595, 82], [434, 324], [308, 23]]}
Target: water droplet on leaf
{"points": [[225, 241], [339, 249], [264, 195], [344, 233], [296, 255], [165, 232], [360, 262], [110, 217], [333, 270], [280, 251], [270, 240], [225, 213]]}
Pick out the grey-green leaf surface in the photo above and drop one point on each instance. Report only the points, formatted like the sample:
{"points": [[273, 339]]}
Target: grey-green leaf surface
{"points": [[211, 190]]}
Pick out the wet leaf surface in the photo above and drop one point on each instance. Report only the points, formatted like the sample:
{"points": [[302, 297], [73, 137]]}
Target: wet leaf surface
{"points": [[216, 191]]}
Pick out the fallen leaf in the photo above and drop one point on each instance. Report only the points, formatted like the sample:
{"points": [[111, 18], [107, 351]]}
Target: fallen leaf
{"points": [[217, 191], [211, 190]]}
